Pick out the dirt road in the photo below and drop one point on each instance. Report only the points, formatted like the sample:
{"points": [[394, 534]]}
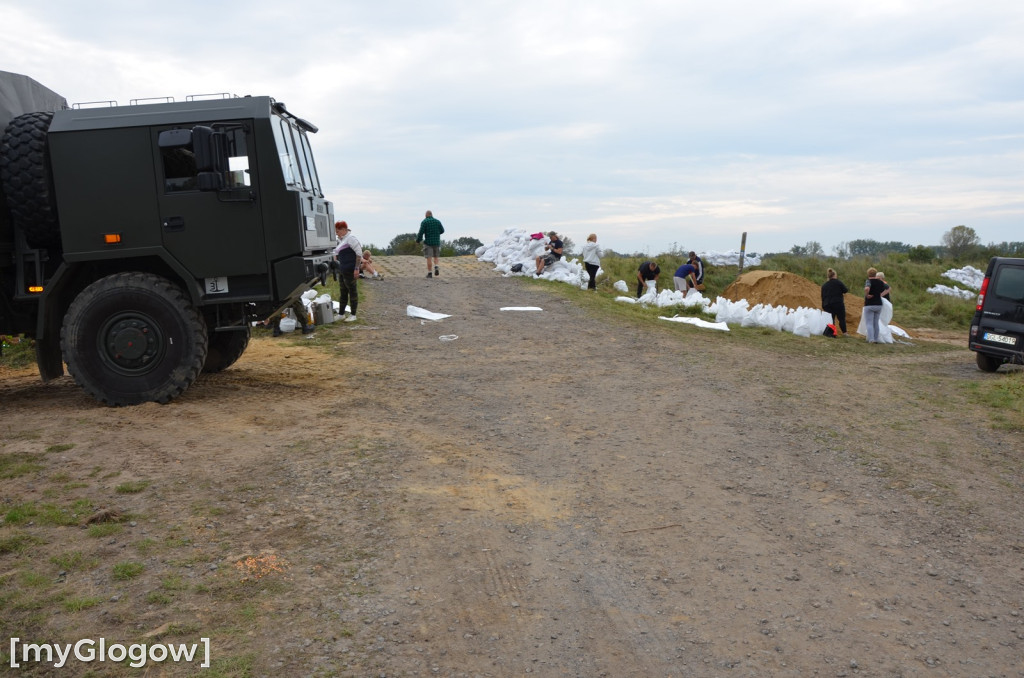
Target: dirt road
{"points": [[550, 493]]}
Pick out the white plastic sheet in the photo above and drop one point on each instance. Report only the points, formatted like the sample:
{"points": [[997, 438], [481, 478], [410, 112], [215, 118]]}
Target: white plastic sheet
{"points": [[698, 322], [417, 312], [884, 331]]}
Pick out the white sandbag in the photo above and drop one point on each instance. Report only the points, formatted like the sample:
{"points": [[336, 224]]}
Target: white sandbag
{"points": [[776, 318], [287, 324], [818, 320], [801, 325], [751, 316], [620, 286]]}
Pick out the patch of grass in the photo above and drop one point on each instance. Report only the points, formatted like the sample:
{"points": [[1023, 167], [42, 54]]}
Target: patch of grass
{"points": [[184, 629], [146, 546], [1003, 398], [100, 530], [18, 352], [74, 560], [158, 598], [14, 465], [63, 447], [173, 583], [240, 666], [43, 513], [18, 542], [126, 570], [33, 579], [83, 603], [133, 486]]}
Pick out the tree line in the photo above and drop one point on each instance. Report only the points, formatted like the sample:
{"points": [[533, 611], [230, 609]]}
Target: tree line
{"points": [[406, 244], [958, 243]]}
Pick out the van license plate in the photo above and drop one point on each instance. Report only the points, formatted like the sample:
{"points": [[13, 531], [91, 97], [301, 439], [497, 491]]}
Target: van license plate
{"points": [[1000, 338]]}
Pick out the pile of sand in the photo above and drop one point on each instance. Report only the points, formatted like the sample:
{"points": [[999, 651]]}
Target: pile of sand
{"points": [[779, 288]]}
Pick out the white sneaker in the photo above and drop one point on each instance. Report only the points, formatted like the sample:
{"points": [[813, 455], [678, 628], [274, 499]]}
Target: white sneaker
{"points": [[349, 319]]}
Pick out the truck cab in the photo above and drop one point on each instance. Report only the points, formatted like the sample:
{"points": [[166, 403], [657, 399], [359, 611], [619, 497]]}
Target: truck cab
{"points": [[149, 238]]}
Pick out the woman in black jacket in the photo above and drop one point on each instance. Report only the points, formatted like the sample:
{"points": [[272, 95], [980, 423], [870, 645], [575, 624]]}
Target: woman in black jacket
{"points": [[832, 300], [873, 289]]}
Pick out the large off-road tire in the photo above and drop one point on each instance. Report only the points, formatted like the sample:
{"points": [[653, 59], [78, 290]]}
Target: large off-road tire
{"points": [[26, 179], [132, 338], [224, 348], [987, 363]]}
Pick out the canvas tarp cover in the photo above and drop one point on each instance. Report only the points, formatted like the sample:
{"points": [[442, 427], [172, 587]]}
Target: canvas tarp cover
{"points": [[21, 94]]}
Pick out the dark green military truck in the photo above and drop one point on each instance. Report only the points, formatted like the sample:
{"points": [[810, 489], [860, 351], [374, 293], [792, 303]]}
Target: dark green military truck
{"points": [[138, 244]]}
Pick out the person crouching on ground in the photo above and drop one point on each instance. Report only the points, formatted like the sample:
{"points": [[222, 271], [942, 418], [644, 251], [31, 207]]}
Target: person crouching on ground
{"points": [[366, 269], [348, 253], [554, 252]]}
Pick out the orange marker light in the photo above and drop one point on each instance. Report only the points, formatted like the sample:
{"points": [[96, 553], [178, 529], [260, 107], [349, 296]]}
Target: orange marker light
{"points": [[112, 238], [35, 289]]}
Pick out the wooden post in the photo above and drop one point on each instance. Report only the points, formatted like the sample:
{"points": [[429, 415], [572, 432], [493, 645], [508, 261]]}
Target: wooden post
{"points": [[743, 249]]}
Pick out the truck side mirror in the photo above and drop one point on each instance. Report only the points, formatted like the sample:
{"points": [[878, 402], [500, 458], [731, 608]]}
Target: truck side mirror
{"points": [[211, 157], [210, 149], [175, 138]]}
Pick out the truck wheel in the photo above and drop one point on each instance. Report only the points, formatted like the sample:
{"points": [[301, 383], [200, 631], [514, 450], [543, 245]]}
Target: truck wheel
{"points": [[132, 338], [25, 173], [224, 349], [987, 363]]}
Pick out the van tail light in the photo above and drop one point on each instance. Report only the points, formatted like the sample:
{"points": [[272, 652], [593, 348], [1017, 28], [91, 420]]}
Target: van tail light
{"points": [[981, 294]]}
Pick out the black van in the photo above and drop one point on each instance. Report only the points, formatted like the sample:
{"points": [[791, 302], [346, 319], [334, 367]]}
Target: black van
{"points": [[997, 331]]}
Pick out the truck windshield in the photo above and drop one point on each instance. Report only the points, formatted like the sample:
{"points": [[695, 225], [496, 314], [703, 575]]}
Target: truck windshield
{"points": [[296, 157]]}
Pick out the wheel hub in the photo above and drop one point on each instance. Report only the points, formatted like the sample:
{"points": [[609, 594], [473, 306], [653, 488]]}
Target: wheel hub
{"points": [[132, 343]]}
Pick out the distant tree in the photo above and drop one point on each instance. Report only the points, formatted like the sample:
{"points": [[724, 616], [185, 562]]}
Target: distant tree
{"points": [[464, 245], [568, 246], [921, 254], [1001, 249], [841, 251], [874, 248], [811, 249], [405, 244], [960, 241], [1008, 249]]}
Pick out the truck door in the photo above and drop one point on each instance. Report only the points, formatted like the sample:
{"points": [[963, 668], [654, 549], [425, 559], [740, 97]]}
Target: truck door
{"points": [[216, 232]]}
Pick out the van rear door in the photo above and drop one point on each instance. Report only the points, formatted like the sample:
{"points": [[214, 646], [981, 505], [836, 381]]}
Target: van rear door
{"points": [[1001, 316]]}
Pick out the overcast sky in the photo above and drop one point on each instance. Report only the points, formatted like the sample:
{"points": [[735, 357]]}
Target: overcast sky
{"points": [[651, 122]]}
